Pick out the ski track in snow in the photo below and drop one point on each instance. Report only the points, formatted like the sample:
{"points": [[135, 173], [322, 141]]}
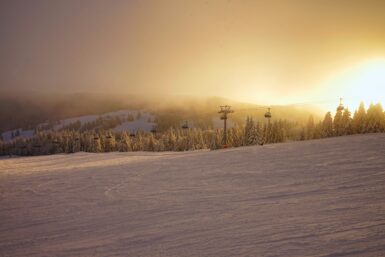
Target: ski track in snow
{"points": [[315, 198]]}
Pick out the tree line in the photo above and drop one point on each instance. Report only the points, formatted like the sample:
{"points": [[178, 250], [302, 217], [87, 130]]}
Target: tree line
{"points": [[343, 123], [179, 139]]}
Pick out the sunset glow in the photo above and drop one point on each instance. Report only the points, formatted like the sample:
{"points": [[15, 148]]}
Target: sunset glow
{"points": [[362, 82], [267, 52]]}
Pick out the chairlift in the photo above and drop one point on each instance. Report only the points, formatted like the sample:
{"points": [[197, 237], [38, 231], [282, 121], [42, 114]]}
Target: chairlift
{"points": [[268, 113], [185, 125]]}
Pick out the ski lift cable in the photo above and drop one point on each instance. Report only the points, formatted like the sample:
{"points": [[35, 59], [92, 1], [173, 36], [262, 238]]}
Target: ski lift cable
{"points": [[259, 107]]}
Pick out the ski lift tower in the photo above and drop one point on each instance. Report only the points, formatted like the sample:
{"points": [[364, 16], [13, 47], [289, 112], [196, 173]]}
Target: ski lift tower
{"points": [[225, 109], [340, 106]]}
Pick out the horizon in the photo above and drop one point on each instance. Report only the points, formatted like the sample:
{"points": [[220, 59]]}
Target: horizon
{"points": [[319, 107]]}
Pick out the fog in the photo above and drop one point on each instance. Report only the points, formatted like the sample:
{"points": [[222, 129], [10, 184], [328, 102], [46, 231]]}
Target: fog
{"points": [[263, 52]]}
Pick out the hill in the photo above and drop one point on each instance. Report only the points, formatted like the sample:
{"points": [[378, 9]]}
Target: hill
{"points": [[312, 198], [26, 111]]}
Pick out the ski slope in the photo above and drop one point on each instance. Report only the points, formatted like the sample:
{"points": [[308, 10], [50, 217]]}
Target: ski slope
{"points": [[143, 123], [313, 198]]}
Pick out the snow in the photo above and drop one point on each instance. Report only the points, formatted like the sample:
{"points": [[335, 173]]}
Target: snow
{"points": [[140, 124], [312, 198], [122, 114], [135, 126], [7, 136]]}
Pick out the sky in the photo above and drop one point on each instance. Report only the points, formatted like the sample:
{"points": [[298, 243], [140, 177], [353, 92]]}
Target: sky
{"points": [[275, 52]]}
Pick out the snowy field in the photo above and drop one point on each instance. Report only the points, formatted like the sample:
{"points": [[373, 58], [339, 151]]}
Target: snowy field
{"points": [[314, 198], [143, 123]]}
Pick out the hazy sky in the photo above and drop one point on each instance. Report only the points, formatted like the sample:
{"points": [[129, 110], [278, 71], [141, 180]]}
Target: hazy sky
{"points": [[262, 51]]}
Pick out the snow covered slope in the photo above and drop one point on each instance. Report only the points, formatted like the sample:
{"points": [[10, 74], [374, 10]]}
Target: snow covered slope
{"points": [[140, 123], [312, 198], [144, 123], [7, 136]]}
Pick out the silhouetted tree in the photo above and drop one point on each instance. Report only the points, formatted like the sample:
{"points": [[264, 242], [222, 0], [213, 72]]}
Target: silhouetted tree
{"points": [[310, 128], [347, 122], [375, 119], [359, 120], [338, 124], [327, 126]]}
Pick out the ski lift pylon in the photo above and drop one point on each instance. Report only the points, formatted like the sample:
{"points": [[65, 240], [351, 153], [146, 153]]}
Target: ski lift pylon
{"points": [[340, 106]]}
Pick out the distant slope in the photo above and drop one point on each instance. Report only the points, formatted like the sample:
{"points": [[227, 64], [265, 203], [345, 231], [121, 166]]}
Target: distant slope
{"points": [[26, 110], [313, 198], [142, 123]]}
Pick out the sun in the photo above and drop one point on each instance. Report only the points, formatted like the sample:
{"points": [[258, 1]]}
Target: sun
{"points": [[364, 82]]}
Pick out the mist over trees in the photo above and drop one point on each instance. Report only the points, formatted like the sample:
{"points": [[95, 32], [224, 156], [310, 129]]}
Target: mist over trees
{"points": [[73, 139], [29, 109]]}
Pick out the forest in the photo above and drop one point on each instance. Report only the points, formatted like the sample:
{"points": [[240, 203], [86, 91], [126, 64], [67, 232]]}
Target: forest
{"points": [[252, 132]]}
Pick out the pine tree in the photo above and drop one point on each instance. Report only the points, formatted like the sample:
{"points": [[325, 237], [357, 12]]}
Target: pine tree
{"points": [[318, 132], [213, 143], [171, 140], [338, 124], [124, 144], [374, 119], [359, 120], [264, 139], [139, 142], [77, 143], [185, 140], [268, 133], [151, 143], [310, 128], [327, 125], [97, 146], [347, 122], [237, 136], [2, 147], [109, 142], [161, 146], [250, 132], [280, 132], [259, 133], [302, 135], [200, 144]]}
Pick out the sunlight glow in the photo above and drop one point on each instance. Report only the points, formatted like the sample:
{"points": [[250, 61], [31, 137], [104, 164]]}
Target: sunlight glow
{"points": [[364, 82]]}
